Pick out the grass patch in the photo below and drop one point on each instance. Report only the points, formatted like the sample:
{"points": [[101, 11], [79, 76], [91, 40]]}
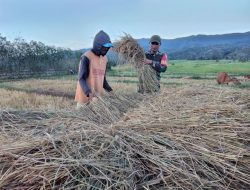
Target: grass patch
{"points": [[245, 85], [180, 68], [208, 67], [124, 81], [195, 77], [11, 87]]}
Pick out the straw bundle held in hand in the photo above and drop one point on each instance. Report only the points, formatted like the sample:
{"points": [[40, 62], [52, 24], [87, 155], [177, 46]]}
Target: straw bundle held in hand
{"points": [[128, 49]]}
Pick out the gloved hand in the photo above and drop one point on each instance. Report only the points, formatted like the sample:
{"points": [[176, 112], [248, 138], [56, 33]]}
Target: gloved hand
{"points": [[147, 62]]}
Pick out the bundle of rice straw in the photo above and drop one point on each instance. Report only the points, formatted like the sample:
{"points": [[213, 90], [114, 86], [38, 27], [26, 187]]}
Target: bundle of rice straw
{"points": [[147, 80], [109, 108], [128, 49]]}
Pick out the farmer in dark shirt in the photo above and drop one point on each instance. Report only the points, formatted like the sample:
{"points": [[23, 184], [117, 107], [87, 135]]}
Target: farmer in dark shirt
{"points": [[157, 60]]}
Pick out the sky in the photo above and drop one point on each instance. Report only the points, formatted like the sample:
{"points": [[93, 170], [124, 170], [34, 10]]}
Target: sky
{"points": [[74, 23]]}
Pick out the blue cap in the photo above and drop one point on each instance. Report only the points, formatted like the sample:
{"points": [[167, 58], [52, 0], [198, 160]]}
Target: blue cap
{"points": [[107, 45]]}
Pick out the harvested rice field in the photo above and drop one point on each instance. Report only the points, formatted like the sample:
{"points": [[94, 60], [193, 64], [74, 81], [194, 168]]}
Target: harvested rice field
{"points": [[194, 134]]}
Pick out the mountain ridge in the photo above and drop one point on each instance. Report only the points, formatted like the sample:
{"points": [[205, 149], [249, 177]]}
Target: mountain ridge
{"points": [[201, 40], [234, 46]]}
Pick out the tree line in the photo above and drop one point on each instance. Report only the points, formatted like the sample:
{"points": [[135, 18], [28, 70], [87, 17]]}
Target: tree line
{"points": [[19, 56], [33, 56]]}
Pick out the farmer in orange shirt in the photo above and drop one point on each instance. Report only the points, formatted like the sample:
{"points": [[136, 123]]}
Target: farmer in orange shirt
{"points": [[92, 70]]}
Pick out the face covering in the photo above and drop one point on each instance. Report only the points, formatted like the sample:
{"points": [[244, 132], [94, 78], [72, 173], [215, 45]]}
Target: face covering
{"points": [[104, 50]]}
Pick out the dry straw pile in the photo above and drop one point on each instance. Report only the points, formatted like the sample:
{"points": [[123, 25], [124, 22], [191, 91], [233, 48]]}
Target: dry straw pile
{"points": [[129, 50], [188, 138], [191, 137]]}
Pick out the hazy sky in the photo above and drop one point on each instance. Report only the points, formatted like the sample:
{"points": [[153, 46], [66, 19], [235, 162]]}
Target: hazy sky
{"points": [[74, 23]]}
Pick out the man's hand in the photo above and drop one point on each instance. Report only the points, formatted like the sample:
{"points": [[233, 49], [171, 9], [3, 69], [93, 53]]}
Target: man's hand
{"points": [[93, 96], [147, 62]]}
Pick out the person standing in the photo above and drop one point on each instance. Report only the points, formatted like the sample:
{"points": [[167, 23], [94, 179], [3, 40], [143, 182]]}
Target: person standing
{"points": [[92, 70], [157, 61]]}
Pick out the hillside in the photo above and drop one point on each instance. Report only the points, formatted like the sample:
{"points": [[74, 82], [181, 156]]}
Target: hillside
{"points": [[232, 40], [234, 46]]}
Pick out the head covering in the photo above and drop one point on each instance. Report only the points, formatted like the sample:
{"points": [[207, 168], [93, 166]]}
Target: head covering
{"points": [[101, 39], [155, 38]]}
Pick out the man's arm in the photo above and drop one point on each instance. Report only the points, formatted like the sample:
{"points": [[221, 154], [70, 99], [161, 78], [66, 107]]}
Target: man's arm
{"points": [[164, 62], [83, 75], [159, 66]]}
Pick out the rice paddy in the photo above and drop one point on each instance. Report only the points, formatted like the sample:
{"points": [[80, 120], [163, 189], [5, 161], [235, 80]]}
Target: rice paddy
{"points": [[192, 134]]}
